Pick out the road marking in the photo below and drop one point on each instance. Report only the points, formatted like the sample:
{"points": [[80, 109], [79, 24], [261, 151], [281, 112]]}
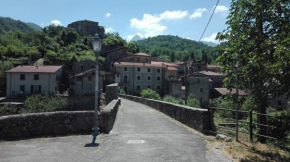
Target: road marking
{"points": [[135, 142]]}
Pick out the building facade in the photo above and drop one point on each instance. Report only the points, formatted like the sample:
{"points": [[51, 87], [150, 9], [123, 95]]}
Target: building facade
{"points": [[133, 77], [86, 27], [28, 80], [83, 84]]}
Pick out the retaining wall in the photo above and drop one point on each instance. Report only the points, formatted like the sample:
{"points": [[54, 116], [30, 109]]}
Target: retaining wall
{"points": [[46, 124], [108, 116], [57, 123], [195, 118]]}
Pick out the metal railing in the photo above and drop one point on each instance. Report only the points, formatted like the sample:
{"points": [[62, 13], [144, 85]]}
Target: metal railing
{"points": [[232, 125]]}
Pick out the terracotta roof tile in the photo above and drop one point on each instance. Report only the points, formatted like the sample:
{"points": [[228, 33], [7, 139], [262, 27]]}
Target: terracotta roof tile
{"points": [[34, 69], [225, 91]]}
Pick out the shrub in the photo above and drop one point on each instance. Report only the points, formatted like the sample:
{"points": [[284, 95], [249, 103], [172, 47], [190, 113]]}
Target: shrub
{"points": [[192, 101], [149, 93], [121, 90], [39, 103], [173, 100], [8, 110]]}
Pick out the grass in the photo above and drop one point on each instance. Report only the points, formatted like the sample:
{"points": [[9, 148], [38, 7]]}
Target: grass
{"points": [[246, 151]]}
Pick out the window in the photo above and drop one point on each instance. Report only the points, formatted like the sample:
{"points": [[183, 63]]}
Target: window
{"points": [[22, 88], [138, 69], [90, 78], [149, 70], [56, 77], [149, 78], [148, 86], [138, 77], [112, 65], [201, 90], [36, 77], [125, 69], [138, 59], [82, 67], [79, 78], [125, 79], [279, 103], [200, 100], [198, 80], [158, 78], [158, 87], [22, 76], [138, 87], [118, 75], [158, 70], [198, 67]]}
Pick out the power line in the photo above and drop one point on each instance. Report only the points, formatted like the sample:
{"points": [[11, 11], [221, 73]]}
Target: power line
{"points": [[209, 19]]}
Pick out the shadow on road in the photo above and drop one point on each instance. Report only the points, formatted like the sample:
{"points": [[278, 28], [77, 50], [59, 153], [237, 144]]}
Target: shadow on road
{"points": [[91, 145]]}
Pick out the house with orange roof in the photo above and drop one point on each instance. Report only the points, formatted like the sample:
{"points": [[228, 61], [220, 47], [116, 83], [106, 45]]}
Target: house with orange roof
{"points": [[28, 80]]}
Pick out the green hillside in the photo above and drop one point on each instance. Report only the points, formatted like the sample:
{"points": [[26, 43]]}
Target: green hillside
{"points": [[35, 27], [174, 48], [7, 24]]}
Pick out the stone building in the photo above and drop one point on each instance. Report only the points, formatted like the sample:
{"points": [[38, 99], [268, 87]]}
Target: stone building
{"points": [[81, 66], [217, 78], [84, 83], [194, 66], [112, 56], [87, 27], [28, 80], [199, 85]]}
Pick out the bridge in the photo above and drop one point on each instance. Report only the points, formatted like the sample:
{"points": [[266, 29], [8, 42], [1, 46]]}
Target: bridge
{"points": [[140, 133]]}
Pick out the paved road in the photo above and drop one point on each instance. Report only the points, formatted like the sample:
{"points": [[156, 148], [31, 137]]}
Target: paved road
{"points": [[140, 134]]}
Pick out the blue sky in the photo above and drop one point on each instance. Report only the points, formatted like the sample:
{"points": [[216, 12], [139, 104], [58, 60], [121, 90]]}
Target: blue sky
{"points": [[184, 18]]}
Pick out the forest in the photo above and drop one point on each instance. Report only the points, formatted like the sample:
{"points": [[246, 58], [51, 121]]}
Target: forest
{"points": [[173, 48]]}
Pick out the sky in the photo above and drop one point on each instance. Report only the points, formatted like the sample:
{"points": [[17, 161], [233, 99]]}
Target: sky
{"points": [[147, 18]]}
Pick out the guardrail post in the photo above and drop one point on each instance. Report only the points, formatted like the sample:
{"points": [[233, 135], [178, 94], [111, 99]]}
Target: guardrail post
{"points": [[251, 124]]}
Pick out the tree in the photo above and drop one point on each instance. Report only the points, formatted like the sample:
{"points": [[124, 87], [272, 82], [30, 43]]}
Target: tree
{"points": [[172, 57], [257, 55], [192, 56], [149, 93], [133, 47]]}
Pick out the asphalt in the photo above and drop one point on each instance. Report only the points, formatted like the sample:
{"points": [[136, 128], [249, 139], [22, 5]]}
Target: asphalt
{"points": [[140, 134]]}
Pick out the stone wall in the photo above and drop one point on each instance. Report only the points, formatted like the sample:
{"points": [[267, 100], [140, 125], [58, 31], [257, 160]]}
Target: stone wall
{"points": [[80, 102], [111, 92], [108, 115], [195, 118], [46, 124]]}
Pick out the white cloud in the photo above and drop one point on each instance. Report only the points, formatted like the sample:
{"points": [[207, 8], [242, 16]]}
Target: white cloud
{"points": [[110, 30], [173, 15], [211, 38], [220, 9], [107, 15], [56, 23], [150, 24], [188, 38], [198, 13]]}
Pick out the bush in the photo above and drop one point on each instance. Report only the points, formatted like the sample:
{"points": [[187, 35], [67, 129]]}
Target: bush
{"points": [[121, 90], [39, 103], [173, 100], [149, 93], [193, 102], [8, 110]]}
